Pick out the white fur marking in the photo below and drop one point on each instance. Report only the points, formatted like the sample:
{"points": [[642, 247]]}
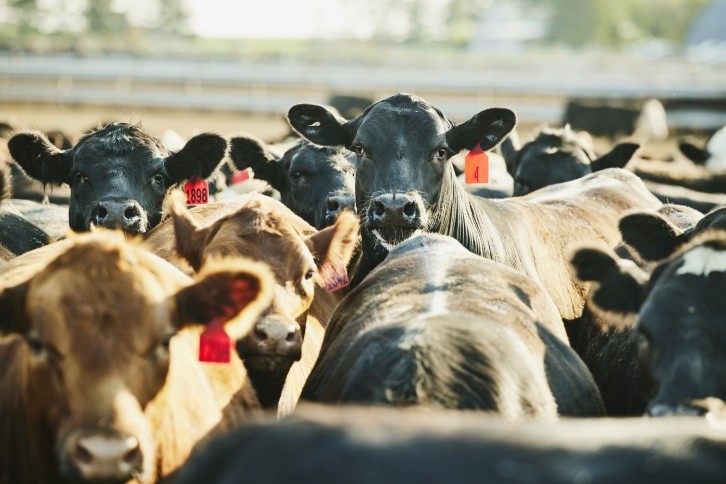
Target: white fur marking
{"points": [[387, 245], [702, 261], [437, 271]]}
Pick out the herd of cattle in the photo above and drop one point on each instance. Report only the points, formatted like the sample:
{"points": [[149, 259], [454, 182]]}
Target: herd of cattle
{"points": [[354, 312]]}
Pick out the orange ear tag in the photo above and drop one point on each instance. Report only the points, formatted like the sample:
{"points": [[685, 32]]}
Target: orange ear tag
{"points": [[338, 281], [476, 166], [241, 176], [197, 190], [215, 345]]}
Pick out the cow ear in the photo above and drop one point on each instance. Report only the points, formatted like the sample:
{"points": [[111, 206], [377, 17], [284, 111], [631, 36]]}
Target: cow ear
{"points": [[650, 235], [234, 290], [618, 157], [510, 148], [250, 152], [12, 309], [333, 246], [619, 285], [40, 159], [200, 157], [485, 129], [697, 155], [190, 238], [319, 125]]}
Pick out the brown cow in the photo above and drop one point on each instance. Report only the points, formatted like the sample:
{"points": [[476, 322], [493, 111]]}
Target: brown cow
{"points": [[95, 385], [303, 261]]}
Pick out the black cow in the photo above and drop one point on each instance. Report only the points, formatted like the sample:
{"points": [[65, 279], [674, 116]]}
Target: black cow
{"points": [[686, 175], [677, 312], [556, 156], [712, 155], [405, 184], [365, 445], [437, 325], [611, 119], [17, 234], [315, 182], [119, 175]]}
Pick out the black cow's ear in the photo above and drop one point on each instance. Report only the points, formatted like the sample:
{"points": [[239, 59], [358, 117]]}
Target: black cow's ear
{"points": [[650, 235], [510, 148], [697, 155], [200, 157], [319, 125], [40, 159], [12, 309], [250, 152], [618, 157], [233, 290], [486, 129], [619, 284]]}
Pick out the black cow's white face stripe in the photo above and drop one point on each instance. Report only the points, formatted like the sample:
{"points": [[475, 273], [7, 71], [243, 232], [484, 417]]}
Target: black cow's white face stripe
{"points": [[702, 261]]}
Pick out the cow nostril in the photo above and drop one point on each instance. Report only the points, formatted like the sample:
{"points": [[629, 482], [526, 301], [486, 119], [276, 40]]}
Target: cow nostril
{"points": [[133, 455], [259, 334], [291, 337], [333, 205], [409, 210], [82, 454], [131, 212], [101, 212], [378, 209]]}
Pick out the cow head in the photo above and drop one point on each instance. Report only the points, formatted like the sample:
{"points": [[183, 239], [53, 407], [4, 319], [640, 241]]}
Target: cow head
{"points": [[96, 338], [560, 155], [677, 313], [403, 146], [119, 175], [316, 182], [300, 258]]}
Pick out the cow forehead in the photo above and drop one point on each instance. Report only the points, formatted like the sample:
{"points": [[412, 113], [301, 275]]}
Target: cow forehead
{"points": [[415, 123]]}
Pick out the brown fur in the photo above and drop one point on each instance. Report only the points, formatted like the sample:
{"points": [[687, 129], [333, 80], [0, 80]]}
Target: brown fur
{"points": [[100, 308]]}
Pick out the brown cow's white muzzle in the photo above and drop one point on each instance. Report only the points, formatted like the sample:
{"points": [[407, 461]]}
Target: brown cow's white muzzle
{"points": [[272, 336], [103, 455]]}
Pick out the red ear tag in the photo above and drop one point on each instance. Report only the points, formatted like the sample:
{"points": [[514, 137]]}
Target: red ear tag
{"points": [[197, 191], [241, 176], [338, 281], [476, 166], [215, 345]]}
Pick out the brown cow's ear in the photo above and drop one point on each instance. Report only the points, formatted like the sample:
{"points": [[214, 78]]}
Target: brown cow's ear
{"points": [[333, 246], [40, 159], [190, 238], [619, 285], [485, 129], [319, 125], [233, 289], [12, 309]]}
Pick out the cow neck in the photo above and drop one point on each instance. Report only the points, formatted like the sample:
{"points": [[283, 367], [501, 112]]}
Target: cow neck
{"points": [[473, 221]]}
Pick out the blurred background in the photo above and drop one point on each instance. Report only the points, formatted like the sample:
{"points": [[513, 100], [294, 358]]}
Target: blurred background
{"points": [[234, 66]]}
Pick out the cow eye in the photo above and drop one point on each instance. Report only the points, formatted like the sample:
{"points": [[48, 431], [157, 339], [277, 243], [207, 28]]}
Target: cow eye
{"points": [[79, 177], [297, 177], [158, 179], [441, 153], [358, 149], [36, 346], [309, 274], [166, 340]]}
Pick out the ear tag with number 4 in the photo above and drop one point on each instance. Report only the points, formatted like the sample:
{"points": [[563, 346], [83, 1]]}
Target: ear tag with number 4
{"points": [[197, 191], [476, 166], [215, 345]]}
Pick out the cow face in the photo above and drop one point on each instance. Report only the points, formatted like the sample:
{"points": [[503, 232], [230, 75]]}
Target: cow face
{"points": [[560, 155], [316, 182], [118, 175], [677, 314], [98, 326], [403, 146], [300, 258]]}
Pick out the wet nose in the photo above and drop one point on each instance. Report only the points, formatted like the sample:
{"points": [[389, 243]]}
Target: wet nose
{"points": [[104, 456], [123, 215], [336, 204], [273, 336], [396, 209]]}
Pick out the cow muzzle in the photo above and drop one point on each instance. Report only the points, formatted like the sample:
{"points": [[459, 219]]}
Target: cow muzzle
{"points": [[126, 215], [91, 455], [395, 217], [334, 205], [273, 337]]}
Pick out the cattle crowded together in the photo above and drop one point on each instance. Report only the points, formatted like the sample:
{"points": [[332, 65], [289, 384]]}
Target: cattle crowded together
{"points": [[344, 307]]}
